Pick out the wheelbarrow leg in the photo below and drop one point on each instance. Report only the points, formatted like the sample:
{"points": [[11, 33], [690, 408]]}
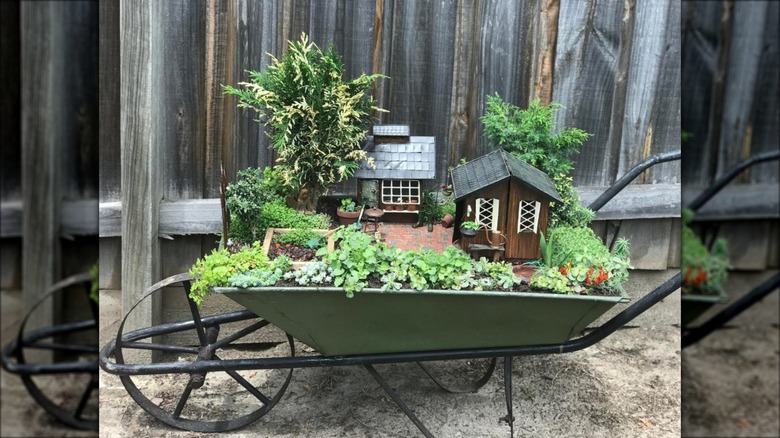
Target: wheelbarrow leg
{"points": [[509, 418], [398, 401]]}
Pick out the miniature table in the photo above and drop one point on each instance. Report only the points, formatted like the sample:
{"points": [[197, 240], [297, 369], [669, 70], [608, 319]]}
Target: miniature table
{"points": [[371, 217]]}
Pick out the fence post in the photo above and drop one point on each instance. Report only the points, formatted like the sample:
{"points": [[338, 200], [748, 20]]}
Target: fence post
{"points": [[140, 158], [42, 128]]}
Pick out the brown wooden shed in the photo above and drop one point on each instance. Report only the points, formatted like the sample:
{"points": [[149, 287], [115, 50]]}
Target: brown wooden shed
{"points": [[506, 194]]}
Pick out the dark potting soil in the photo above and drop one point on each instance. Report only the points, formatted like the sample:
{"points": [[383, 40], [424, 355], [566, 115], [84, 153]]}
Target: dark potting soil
{"points": [[295, 253]]}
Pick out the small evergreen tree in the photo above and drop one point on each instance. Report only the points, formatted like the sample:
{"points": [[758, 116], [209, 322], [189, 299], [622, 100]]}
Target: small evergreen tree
{"points": [[316, 120], [528, 135]]}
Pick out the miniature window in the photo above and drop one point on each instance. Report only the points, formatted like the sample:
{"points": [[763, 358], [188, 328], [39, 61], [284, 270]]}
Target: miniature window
{"points": [[400, 191], [528, 217], [487, 212]]}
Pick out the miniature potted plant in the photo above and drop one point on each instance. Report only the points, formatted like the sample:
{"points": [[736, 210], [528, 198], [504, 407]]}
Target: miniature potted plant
{"points": [[469, 228], [347, 212]]}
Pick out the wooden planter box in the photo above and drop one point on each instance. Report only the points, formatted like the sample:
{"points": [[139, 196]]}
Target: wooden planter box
{"points": [[407, 320], [269, 235]]}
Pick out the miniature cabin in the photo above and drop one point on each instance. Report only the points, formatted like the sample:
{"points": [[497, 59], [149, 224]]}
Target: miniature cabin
{"points": [[402, 164], [506, 194]]}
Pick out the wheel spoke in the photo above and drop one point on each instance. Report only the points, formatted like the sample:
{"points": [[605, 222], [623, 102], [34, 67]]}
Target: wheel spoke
{"points": [[182, 401], [91, 386], [256, 392], [195, 315], [245, 383], [63, 347], [240, 334], [160, 347]]}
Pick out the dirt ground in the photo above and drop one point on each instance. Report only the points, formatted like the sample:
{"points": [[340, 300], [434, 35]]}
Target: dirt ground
{"points": [[21, 415], [730, 378], [626, 385]]}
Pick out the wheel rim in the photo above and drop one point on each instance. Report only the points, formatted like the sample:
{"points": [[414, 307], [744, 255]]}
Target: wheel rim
{"points": [[83, 414], [469, 375], [188, 401]]}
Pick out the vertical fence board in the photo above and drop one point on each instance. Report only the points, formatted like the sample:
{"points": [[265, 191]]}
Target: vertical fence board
{"points": [[729, 88], [109, 164], [586, 62], [179, 86], [11, 152], [140, 30], [420, 70], [652, 110], [257, 29], [41, 55]]}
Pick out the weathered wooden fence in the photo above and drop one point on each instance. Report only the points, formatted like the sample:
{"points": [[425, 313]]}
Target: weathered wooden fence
{"points": [[615, 66], [49, 147], [730, 111]]}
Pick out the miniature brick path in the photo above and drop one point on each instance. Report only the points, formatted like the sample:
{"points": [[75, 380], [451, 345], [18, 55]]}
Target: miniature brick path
{"points": [[403, 236]]}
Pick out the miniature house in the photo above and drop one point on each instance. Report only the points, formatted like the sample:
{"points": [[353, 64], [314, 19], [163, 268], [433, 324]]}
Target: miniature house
{"points": [[401, 164], [507, 195]]}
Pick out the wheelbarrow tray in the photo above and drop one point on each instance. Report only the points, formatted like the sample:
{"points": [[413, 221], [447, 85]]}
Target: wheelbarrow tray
{"points": [[374, 321], [694, 305]]}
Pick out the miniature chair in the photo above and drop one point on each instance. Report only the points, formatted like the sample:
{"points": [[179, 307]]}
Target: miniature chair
{"points": [[371, 218]]}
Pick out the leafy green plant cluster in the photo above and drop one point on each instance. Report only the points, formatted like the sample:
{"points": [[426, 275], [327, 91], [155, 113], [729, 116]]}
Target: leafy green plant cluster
{"points": [[273, 185], [429, 207], [310, 274], [301, 237], [315, 118], [358, 259], [244, 199], [703, 270], [277, 214], [470, 225], [216, 268], [528, 135], [348, 205], [262, 276], [576, 260], [445, 208]]}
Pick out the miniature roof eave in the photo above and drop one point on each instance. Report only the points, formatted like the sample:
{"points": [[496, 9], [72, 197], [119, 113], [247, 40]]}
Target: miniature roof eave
{"points": [[497, 166]]}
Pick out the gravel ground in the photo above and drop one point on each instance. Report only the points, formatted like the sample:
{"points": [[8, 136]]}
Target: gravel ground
{"points": [[730, 378]]}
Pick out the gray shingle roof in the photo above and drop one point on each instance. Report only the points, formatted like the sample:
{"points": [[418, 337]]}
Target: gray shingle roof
{"points": [[413, 160], [391, 130], [497, 166]]}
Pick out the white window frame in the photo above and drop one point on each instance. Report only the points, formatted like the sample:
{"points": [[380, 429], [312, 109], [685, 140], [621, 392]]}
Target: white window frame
{"points": [[407, 189], [521, 228], [494, 206]]}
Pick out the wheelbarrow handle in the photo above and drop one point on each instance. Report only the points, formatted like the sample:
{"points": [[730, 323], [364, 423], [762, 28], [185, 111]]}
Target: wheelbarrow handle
{"points": [[721, 182], [635, 171]]}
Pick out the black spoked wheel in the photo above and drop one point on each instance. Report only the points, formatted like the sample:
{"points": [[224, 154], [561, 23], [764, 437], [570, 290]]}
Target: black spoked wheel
{"points": [[58, 364], [460, 376], [216, 401]]}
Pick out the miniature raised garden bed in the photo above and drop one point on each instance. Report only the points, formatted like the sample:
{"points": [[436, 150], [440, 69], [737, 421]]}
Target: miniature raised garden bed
{"points": [[299, 255]]}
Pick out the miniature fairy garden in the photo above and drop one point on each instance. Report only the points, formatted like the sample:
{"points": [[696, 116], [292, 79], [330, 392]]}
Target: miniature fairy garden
{"points": [[525, 210]]}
